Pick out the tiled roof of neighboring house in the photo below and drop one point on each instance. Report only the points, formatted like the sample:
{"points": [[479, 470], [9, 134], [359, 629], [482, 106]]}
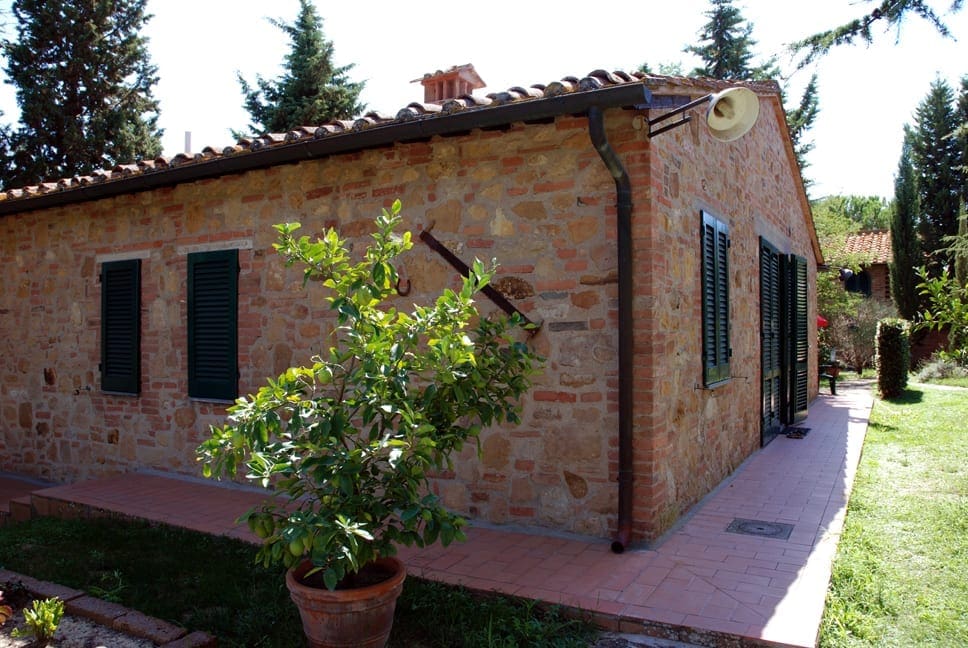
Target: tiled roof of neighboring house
{"points": [[414, 121], [877, 243]]}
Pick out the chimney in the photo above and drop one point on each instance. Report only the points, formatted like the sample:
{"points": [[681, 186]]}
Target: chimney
{"points": [[451, 83]]}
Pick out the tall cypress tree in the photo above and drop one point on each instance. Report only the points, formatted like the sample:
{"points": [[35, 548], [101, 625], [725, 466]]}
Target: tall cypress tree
{"points": [[959, 248], [961, 136], [311, 91], [905, 246], [84, 86], [800, 120], [937, 161]]}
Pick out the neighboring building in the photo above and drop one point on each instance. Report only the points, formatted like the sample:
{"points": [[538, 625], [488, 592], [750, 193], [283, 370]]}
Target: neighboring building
{"points": [[874, 278], [136, 302]]}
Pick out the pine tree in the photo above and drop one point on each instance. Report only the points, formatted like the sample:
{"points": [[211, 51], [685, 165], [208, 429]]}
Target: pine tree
{"points": [[311, 91], [665, 68], [84, 86], [727, 53], [890, 13], [727, 46], [936, 159], [905, 246]]}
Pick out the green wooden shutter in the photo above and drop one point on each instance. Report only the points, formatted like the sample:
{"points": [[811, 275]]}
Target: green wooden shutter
{"points": [[715, 300], [121, 326], [798, 396], [213, 297], [770, 358], [796, 351]]}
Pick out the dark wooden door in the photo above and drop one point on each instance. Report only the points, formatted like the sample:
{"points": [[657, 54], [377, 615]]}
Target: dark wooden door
{"points": [[770, 358], [794, 347]]}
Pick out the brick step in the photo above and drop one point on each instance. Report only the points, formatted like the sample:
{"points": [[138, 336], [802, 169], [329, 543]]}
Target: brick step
{"points": [[43, 505], [21, 509]]}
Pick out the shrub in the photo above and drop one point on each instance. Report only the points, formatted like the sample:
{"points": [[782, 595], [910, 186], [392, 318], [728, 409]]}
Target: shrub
{"points": [[893, 356], [939, 367], [947, 307], [42, 620], [852, 333]]}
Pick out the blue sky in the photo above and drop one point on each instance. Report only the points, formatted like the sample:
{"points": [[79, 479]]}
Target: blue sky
{"points": [[866, 93]]}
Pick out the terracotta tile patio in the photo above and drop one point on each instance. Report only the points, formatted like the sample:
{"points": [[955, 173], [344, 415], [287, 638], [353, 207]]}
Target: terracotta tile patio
{"points": [[700, 583]]}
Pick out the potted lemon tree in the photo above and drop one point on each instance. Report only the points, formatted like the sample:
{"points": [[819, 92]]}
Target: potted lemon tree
{"points": [[346, 444]]}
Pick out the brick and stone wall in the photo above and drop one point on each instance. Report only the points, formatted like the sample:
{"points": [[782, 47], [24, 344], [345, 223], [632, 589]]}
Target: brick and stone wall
{"points": [[535, 197], [880, 282], [690, 437]]}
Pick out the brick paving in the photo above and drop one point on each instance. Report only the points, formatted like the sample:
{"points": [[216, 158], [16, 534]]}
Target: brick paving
{"points": [[700, 583]]}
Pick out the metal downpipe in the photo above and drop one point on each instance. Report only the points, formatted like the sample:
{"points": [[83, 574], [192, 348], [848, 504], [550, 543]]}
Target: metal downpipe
{"points": [[623, 191]]}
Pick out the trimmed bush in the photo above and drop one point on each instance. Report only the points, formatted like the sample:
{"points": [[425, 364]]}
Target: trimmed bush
{"points": [[893, 356]]}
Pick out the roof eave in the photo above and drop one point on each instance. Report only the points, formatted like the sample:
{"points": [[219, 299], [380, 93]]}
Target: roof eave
{"points": [[625, 95]]}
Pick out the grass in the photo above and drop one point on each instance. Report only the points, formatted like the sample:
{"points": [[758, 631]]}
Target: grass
{"points": [[951, 382], [210, 583], [901, 573]]}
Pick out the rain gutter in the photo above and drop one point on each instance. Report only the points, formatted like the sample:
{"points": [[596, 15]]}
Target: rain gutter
{"points": [[623, 192]]}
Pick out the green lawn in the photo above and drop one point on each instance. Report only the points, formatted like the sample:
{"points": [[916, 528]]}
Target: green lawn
{"points": [[951, 382], [210, 583], [901, 574]]}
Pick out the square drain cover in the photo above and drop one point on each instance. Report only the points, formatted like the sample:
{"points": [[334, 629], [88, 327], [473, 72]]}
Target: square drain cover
{"points": [[796, 432], [760, 528]]}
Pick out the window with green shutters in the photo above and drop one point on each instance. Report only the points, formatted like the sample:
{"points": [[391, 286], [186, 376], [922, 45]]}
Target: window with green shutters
{"points": [[213, 298], [121, 326], [715, 300]]}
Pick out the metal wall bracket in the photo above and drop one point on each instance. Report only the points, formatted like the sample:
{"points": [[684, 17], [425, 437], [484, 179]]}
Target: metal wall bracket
{"points": [[490, 291]]}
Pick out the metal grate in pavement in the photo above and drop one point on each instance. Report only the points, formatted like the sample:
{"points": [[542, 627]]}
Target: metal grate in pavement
{"points": [[777, 530]]}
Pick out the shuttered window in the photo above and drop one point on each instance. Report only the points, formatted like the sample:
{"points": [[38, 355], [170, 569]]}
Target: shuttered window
{"points": [[121, 326], [715, 300], [213, 325], [796, 272]]}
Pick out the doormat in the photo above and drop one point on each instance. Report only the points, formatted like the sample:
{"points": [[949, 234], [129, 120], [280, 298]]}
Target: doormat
{"points": [[796, 432], [777, 530]]}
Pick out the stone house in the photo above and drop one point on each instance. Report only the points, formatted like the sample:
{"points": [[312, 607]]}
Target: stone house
{"points": [[874, 281], [673, 276]]}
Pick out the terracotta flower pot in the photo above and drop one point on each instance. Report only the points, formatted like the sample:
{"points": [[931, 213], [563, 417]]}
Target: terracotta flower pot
{"points": [[357, 616]]}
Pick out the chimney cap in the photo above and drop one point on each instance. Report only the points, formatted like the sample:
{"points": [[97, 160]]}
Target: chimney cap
{"points": [[465, 71], [454, 82]]}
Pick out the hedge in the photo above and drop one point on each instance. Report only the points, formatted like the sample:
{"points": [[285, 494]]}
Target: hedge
{"points": [[893, 357]]}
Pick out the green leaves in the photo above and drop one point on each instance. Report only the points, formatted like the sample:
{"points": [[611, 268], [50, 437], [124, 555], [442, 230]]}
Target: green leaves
{"points": [[42, 619], [348, 444]]}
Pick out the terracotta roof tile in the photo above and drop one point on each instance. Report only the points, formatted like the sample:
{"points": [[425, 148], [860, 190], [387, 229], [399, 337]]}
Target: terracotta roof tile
{"points": [[874, 242], [412, 112]]}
